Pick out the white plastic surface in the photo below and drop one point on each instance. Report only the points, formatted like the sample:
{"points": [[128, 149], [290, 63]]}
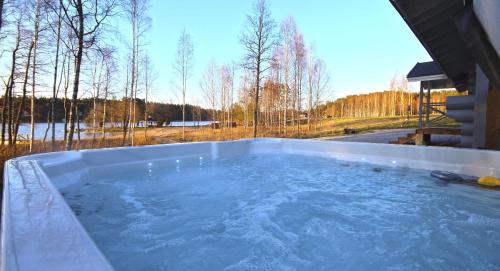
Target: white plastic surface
{"points": [[40, 232]]}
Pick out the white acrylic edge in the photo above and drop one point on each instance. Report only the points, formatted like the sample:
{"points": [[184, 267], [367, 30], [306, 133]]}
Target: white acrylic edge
{"points": [[473, 162]]}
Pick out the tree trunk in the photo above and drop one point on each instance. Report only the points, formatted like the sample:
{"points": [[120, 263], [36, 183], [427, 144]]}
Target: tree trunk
{"points": [[65, 100], [10, 85], [103, 131], [256, 105], [146, 104], [33, 86], [125, 112], [54, 90], [4, 107], [23, 98], [76, 82], [78, 130], [47, 129]]}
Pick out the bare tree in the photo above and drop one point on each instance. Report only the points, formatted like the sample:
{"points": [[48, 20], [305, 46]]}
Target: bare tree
{"points": [[224, 80], [24, 92], [57, 11], [126, 115], [298, 71], [97, 71], [209, 88], [136, 11], [311, 75], [147, 85], [109, 69], [245, 96], [66, 75], [277, 77], [320, 88], [232, 71], [36, 34], [84, 17], [182, 66], [258, 41], [287, 34], [7, 101]]}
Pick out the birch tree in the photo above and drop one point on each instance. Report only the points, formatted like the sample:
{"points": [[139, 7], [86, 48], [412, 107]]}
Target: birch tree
{"points": [[85, 19], [311, 74], [136, 11], [97, 73], [56, 8], [245, 96], [320, 88], [298, 72], [110, 68], [182, 67], [7, 101], [208, 85], [258, 41], [287, 33], [147, 86], [24, 92]]}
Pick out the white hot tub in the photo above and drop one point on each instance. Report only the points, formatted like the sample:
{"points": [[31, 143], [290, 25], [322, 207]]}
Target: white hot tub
{"points": [[45, 226]]}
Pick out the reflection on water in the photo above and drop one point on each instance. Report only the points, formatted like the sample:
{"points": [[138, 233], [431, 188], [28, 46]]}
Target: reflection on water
{"points": [[42, 128]]}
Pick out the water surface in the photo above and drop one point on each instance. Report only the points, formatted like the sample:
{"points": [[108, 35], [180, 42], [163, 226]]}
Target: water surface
{"points": [[285, 212]]}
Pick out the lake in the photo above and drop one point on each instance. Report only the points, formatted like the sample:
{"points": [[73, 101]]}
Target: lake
{"points": [[25, 129], [40, 128]]}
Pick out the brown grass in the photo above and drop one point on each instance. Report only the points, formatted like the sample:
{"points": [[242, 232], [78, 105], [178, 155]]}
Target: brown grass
{"points": [[327, 128]]}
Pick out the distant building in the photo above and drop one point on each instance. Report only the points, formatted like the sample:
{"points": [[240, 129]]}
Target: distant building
{"points": [[149, 123], [463, 38]]}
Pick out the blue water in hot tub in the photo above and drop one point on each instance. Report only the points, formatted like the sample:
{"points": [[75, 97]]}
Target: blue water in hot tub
{"points": [[285, 212]]}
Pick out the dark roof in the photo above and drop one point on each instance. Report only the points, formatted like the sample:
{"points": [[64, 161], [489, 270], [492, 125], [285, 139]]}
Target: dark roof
{"points": [[432, 22], [425, 69]]}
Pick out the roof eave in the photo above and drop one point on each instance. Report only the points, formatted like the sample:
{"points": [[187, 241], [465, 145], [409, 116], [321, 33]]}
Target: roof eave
{"points": [[428, 78]]}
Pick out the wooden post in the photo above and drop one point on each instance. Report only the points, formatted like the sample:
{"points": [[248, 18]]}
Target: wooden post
{"points": [[421, 105], [428, 105]]}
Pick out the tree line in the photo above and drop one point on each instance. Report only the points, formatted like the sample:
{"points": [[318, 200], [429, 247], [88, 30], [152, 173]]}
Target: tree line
{"points": [[282, 80], [157, 112], [66, 50], [388, 103], [66, 60]]}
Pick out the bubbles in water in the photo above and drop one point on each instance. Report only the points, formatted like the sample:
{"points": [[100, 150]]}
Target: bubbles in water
{"points": [[150, 170], [285, 212]]}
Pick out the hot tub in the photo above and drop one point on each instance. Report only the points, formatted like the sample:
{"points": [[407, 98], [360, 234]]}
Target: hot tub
{"points": [[266, 204]]}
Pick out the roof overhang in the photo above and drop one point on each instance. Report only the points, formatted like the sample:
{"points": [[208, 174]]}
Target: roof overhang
{"points": [[426, 71], [431, 22], [428, 78], [450, 32]]}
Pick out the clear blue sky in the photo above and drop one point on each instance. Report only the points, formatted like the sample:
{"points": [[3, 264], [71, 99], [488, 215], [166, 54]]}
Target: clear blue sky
{"points": [[364, 42]]}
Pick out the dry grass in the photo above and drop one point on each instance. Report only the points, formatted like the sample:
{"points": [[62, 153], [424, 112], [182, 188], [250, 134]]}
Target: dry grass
{"points": [[327, 128]]}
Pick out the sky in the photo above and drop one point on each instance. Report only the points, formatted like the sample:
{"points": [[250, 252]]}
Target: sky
{"points": [[364, 43]]}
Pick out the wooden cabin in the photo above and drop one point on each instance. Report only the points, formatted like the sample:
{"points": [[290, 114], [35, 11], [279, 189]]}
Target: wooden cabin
{"points": [[463, 39]]}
